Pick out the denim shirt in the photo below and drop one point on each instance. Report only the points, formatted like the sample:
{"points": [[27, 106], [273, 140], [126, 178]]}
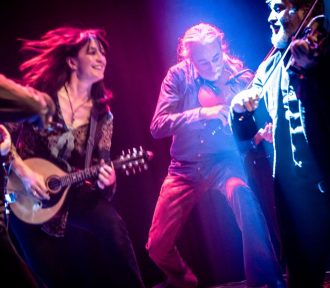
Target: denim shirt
{"points": [[178, 115]]}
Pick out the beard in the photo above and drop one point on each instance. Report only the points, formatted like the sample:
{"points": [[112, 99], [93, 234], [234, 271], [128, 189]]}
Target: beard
{"points": [[289, 23], [280, 40], [212, 77]]}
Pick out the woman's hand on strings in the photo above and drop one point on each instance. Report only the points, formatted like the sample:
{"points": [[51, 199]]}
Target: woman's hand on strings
{"points": [[107, 175]]}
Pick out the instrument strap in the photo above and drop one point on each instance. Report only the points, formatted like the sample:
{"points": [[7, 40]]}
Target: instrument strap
{"points": [[90, 142]]}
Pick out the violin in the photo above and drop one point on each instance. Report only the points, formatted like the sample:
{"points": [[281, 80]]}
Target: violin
{"points": [[220, 92], [313, 30], [212, 93], [314, 35]]}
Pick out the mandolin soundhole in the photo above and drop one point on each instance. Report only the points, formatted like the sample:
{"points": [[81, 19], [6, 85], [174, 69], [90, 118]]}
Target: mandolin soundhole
{"points": [[54, 184]]}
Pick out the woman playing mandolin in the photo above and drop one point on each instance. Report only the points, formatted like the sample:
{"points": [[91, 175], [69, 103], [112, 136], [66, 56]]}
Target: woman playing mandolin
{"points": [[86, 242]]}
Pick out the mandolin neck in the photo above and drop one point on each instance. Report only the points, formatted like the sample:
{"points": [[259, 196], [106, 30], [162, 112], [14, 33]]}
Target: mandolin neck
{"points": [[80, 176]]}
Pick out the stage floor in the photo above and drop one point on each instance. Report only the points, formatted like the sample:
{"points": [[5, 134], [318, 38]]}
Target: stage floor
{"points": [[242, 284]]}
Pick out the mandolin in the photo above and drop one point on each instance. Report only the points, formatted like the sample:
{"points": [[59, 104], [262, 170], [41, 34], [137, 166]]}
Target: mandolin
{"points": [[33, 210]]}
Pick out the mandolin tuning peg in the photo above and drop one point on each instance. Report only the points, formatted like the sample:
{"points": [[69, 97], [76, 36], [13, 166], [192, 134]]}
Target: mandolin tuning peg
{"points": [[145, 166], [127, 172]]}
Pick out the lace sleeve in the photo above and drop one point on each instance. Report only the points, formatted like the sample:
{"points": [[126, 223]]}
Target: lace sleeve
{"points": [[104, 137]]}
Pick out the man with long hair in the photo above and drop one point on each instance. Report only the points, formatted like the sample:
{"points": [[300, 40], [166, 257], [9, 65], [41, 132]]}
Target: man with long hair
{"points": [[193, 108]]}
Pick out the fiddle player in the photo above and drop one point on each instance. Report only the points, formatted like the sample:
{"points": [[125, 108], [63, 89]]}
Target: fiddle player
{"points": [[204, 158], [296, 95]]}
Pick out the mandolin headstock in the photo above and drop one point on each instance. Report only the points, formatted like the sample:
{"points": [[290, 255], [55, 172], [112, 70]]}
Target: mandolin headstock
{"points": [[133, 161]]}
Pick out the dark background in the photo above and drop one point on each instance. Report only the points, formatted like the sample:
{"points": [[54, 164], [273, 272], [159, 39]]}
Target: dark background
{"points": [[143, 39]]}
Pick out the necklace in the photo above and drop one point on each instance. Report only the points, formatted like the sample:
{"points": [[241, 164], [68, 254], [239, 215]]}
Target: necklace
{"points": [[74, 111]]}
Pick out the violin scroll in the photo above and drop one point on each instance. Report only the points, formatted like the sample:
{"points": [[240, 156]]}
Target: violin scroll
{"points": [[305, 52]]}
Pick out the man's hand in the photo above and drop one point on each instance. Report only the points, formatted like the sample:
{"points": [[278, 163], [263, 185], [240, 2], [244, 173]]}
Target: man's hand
{"points": [[46, 106], [27, 99], [265, 133], [246, 100], [215, 112], [304, 54], [5, 141]]}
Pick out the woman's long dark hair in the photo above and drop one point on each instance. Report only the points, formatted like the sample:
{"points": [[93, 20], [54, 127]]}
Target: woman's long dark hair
{"points": [[47, 69]]}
